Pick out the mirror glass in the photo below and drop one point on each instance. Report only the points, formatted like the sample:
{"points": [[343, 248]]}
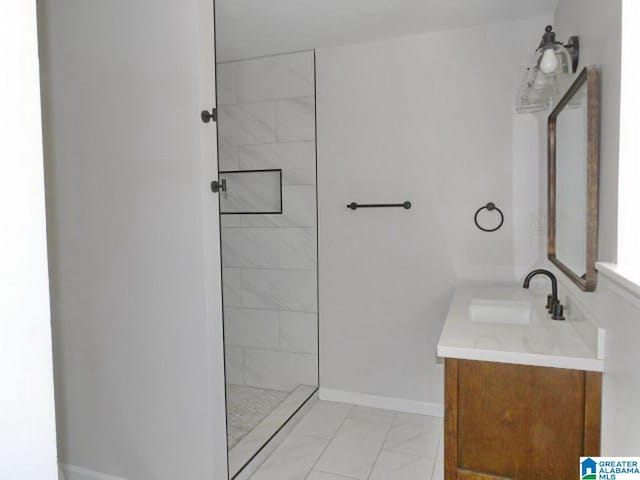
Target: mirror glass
{"points": [[571, 183], [573, 136]]}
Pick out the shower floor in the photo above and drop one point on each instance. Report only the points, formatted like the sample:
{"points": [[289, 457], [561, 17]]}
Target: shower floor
{"points": [[247, 407]]}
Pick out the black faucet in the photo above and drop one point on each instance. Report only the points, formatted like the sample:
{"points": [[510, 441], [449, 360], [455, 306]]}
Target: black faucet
{"points": [[553, 303]]}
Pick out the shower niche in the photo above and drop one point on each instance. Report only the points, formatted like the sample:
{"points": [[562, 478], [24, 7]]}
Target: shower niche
{"points": [[251, 192], [267, 158]]}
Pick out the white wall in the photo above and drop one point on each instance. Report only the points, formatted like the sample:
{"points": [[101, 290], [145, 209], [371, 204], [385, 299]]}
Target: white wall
{"points": [[427, 118], [629, 167], [135, 285], [255, 28], [27, 418], [610, 306], [597, 24]]}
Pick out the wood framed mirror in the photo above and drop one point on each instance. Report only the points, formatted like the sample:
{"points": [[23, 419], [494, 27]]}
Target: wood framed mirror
{"points": [[573, 155]]}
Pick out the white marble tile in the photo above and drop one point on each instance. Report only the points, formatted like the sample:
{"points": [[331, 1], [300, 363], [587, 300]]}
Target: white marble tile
{"points": [[297, 248], [279, 370], [355, 447], [247, 124], [299, 205], [232, 287], [323, 420], [296, 119], [228, 158], [257, 437], [299, 209], [293, 290], [280, 76], [226, 83], [397, 466], [290, 404], [373, 415], [257, 192], [227, 221], [251, 328], [315, 475], [292, 460], [250, 247], [297, 160], [283, 431], [299, 332], [417, 435], [233, 365], [355, 450], [243, 451]]}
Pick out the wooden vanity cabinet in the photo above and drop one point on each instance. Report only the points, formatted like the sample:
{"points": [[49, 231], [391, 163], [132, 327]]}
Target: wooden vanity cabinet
{"points": [[520, 422]]}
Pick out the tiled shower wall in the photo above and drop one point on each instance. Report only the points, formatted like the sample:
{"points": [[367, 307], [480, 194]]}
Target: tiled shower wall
{"points": [[267, 120]]}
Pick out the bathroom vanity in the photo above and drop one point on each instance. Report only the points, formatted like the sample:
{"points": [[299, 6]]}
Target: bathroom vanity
{"points": [[522, 391]]}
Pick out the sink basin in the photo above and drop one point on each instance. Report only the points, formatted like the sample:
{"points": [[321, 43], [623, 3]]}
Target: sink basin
{"points": [[500, 311]]}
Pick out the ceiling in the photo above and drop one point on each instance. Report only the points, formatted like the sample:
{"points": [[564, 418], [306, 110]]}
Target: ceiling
{"points": [[254, 28]]}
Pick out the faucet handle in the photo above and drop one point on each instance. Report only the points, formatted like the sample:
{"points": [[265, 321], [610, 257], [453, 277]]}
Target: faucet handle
{"points": [[557, 311], [550, 302]]}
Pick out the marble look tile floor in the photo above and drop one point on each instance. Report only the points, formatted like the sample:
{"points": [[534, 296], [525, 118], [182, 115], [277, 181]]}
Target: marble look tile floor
{"points": [[336, 441]]}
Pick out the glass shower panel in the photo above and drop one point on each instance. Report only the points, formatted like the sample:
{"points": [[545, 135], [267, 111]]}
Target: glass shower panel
{"points": [[267, 156]]}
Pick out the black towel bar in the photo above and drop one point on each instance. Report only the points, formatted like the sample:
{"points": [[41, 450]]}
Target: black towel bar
{"points": [[355, 206]]}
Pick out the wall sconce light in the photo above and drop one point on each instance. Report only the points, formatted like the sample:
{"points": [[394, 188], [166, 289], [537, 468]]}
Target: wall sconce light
{"points": [[553, 65]]}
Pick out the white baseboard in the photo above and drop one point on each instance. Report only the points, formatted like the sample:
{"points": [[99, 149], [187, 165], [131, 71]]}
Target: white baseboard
{"points": [[387, 403], [71, 472]]}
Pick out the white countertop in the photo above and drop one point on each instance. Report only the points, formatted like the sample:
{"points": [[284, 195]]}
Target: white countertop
{"points": [[542, 341]]}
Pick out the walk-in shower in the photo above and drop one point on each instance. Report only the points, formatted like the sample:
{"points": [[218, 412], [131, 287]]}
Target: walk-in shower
{"points": [[267, 159]]}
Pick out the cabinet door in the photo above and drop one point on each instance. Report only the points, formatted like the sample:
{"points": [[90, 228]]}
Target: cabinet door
{"points": [[514, 421]]}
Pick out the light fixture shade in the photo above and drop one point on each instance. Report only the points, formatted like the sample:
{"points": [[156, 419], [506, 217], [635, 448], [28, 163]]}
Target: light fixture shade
{"points": [[564, 72], [530, 100], [549, 75], [537, 91]]}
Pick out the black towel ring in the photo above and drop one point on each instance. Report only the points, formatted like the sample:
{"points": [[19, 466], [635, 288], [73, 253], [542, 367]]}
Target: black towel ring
{"points": [[490, 207]]}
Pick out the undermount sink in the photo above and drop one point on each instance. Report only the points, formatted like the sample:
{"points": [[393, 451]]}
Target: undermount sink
{"points": [[500, 311]]}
